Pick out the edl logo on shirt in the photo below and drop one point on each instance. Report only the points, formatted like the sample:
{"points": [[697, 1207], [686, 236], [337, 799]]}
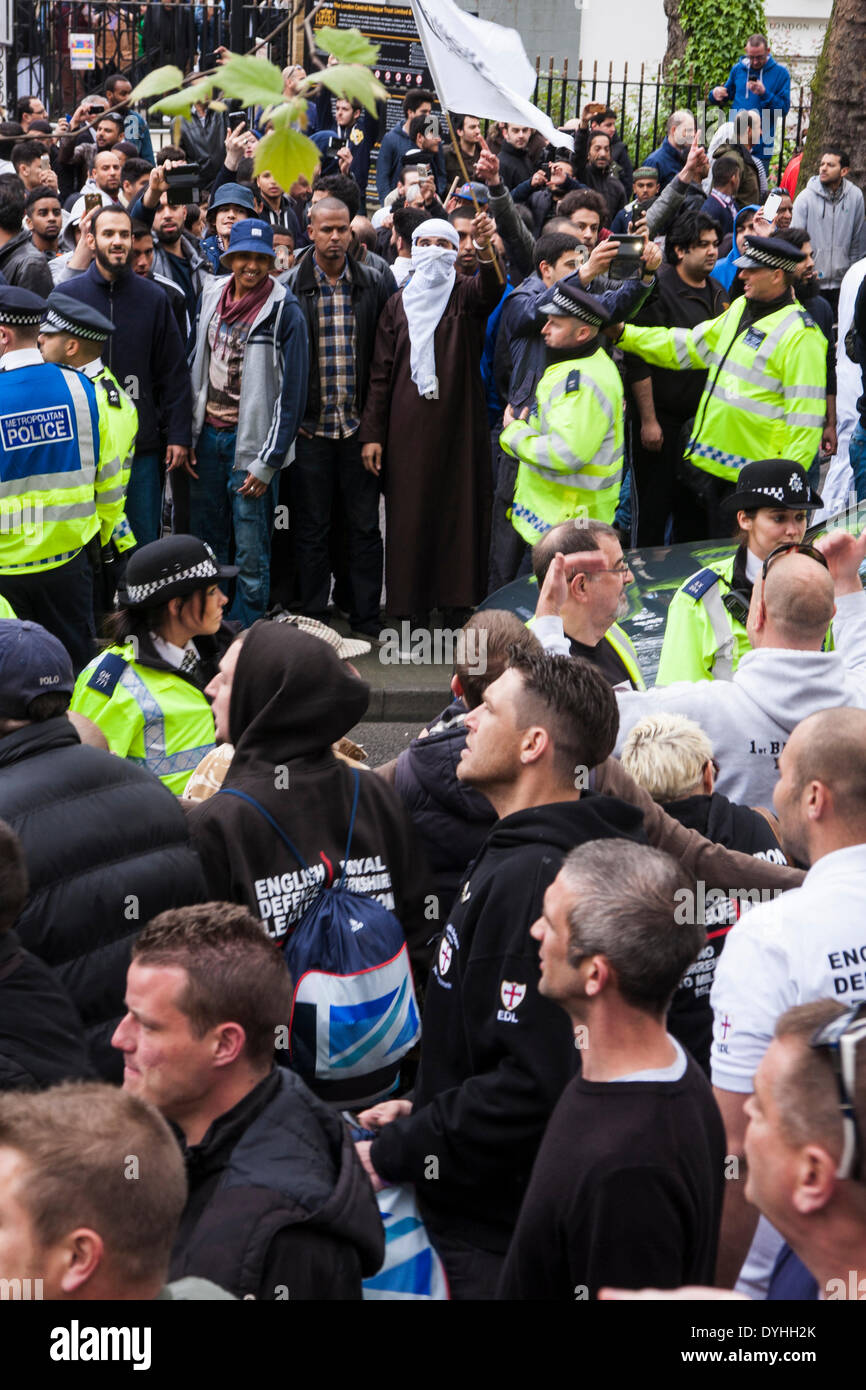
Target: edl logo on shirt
{"points": [[512, 995]]}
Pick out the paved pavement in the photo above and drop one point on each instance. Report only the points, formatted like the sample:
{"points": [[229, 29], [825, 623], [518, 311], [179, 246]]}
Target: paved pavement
{"points": [[413, 689], [383, 740]]}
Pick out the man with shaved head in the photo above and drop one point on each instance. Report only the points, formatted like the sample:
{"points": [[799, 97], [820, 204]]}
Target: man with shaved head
{"points": [[809, 944], [341, 299], [785, 677]]}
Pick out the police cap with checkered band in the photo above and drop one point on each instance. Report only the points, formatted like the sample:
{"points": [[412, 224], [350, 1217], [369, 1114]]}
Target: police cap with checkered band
{"points": [[65, 314], [170, 568], [772, 483], [20, 308], [769, 253], [569, 302]]}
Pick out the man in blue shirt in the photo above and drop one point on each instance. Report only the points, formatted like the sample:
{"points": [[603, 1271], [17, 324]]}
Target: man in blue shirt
{"points": [[670, 157], [757, 83]]}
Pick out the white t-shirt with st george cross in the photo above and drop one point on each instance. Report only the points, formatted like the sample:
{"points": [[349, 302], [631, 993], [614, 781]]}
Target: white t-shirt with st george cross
{"points": [[807, 944]]}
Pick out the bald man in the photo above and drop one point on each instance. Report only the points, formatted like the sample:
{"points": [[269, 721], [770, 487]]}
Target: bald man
{"points": [[806, 945], [785, 677]]}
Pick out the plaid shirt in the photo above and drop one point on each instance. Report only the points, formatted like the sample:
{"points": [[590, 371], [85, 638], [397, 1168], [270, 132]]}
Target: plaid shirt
{"points": [[339, 414]]}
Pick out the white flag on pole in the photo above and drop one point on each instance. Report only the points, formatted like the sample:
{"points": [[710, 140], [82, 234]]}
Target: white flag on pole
{"points": [[481, 68]]}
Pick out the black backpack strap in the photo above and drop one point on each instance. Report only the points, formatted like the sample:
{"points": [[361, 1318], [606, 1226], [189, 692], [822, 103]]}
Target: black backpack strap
{"points": [[244, 796], [351, 822]]}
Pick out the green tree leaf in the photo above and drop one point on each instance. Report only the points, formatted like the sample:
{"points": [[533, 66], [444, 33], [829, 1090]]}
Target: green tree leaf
{"points": [[356, 83], [292, 112], [181, 103], [155, 83], [287, 155], [349, 45], [253, 81]]}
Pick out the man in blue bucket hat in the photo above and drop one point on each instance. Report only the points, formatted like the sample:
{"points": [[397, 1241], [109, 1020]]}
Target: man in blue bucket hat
{"points": [[231, 203], [249, 381]]}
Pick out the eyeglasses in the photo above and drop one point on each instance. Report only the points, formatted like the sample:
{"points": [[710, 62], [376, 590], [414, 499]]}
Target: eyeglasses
{"points": [[712, 762], [620, 569], [841, 1038], [802, 548]]}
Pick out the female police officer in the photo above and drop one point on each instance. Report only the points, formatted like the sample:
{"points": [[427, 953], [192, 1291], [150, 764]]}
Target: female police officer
{"points": [[705, 636], [146, 690]]}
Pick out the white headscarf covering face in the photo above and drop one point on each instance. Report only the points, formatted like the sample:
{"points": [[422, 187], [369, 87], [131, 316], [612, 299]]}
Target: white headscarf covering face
{"points": [[424, 299]]}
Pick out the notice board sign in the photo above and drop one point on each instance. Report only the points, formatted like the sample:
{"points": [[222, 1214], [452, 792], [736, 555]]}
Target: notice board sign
{"points": [[82, 51], [402, 66]]}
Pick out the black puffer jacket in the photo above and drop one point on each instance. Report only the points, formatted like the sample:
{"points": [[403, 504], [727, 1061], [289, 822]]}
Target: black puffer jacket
{"points": [[41, 1039], [279, 1205], [452, 819], [106, 849]]}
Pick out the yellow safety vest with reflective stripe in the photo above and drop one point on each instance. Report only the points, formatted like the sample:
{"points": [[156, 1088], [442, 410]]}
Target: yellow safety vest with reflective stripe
{"points": [[118, 428], [148, 714], [702, 641], [766, 389], [49, 447], [6, 609], [624, 648], [570, 449]]}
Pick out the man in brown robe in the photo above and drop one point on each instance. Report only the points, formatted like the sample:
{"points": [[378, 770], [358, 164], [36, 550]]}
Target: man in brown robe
{"points": [[424, 426]]}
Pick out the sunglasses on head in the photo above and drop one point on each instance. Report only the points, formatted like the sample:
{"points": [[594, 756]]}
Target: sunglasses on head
{"points": [[841, 1038], [802, 548]]}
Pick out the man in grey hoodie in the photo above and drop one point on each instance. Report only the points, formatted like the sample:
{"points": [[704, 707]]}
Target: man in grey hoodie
{"points": [[783, 679], [831, 210]]}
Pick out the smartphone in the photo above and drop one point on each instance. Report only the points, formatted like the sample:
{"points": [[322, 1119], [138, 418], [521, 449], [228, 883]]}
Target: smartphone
{"points": [[424, 171], [771, 207], [91, 201], [626, 264], [45, 162], [236, 119]]}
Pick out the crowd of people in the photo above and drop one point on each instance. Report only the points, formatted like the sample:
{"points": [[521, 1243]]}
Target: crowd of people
{"points": [[580, 973]]}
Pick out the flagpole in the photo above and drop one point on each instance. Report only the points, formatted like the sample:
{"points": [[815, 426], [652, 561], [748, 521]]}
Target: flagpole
{"points": [[455, 143]]}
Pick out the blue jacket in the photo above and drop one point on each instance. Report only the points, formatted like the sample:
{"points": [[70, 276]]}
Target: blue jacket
{"points": [[137, 132], [720, 214], [724, 270], [273, 378], [145, 353], [391, 151], [211, 250], [777, 81], [495, 404], [668, 160]]}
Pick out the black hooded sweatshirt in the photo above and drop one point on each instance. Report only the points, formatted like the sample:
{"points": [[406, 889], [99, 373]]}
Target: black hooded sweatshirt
{"points": [[291, 699], [495, 1055]]}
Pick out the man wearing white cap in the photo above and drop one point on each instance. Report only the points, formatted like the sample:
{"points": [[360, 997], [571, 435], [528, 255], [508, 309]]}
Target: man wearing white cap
{"points": [[424, 429]]}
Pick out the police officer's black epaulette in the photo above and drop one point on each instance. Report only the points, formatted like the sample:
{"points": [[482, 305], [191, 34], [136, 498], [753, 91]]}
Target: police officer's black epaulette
{"points": [[107, 673], [700, 583], [808, 321], [111, 391], [572, 381]]}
